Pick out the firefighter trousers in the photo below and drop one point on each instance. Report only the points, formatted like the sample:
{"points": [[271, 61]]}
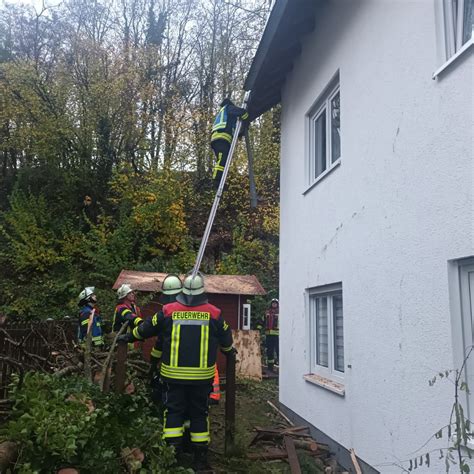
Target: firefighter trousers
{"points": [[183, 401], [221, 151], [273, 348]]}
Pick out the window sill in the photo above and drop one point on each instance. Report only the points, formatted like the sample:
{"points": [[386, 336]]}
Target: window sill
{"points": [[326, 383], [453, 58], [322, 176]]}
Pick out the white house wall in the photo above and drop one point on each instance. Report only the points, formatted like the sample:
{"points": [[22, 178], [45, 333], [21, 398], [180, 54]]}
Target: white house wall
{"points": [[384, 223]]}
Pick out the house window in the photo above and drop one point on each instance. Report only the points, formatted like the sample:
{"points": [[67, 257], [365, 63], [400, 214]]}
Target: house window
{"points": [[466, 285], [326, 330], [458, 24], [246, 316], [324, 130]]}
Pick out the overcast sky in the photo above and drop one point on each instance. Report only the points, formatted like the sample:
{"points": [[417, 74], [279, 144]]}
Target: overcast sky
{"points": [[35, 3]]}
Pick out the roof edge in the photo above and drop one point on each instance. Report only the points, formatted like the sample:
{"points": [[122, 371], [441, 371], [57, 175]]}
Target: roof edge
{"points": [[269, 32]]}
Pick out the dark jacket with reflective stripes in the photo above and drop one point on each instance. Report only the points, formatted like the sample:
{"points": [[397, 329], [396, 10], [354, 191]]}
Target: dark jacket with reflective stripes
{"points": [[225, 122], [96, 325], [191, 336], [271, 322], [124, 312]]}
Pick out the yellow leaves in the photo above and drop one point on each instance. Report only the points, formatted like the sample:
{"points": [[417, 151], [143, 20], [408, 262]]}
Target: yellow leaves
{"points": [[155, 208], [150, 197], [271, 219]]}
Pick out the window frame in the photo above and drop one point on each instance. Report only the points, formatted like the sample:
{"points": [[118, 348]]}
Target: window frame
{"points": [[453, 22], [462, 324], [329, 291], [246, 325], [322, 105], [467, 309]]}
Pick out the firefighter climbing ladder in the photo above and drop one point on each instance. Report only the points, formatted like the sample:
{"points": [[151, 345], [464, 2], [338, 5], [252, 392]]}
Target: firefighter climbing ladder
{"points": [[218, 196]]}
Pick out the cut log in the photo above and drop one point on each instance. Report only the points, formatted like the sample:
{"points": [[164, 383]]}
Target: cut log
{"points": [[332, 464], [8, 455], [308, 445]]}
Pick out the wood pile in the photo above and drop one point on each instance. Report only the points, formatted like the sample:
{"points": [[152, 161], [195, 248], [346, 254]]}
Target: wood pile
{"points": [[280, 443]]}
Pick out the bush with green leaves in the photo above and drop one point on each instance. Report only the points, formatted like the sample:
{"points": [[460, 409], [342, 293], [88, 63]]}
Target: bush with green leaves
{"points": [[60, 422]]}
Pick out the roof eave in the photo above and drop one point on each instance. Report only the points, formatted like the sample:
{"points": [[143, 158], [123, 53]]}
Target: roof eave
{"points": [[268, 35]]}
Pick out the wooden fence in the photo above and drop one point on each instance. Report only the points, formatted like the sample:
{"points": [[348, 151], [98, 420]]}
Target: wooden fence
{"points": [[31, 346]]}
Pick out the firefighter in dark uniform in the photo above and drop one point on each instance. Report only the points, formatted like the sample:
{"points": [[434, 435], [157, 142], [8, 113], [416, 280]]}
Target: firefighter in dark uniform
{"points": [[126, 309], [89, 317], [192, 330], [222, 132], [170, 288], [272, 333]]}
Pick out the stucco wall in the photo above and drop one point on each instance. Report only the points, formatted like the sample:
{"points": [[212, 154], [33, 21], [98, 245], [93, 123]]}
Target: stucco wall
{"points": [[384, 223]]}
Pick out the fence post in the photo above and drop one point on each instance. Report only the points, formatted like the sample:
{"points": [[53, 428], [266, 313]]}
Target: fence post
{"points": [[121, 367], [49, 330], [230, 405]]}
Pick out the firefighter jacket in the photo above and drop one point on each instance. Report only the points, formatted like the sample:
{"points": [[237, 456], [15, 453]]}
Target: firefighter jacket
{"points": [[191, 336], [271, 322], [225, 122], [126, 312], [90, 316], [157, 350]]}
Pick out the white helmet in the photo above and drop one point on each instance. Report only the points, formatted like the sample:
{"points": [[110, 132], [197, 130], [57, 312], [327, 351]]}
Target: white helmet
{"points": [[193, 285], [172, 285], [86, 293], [124, 290]]}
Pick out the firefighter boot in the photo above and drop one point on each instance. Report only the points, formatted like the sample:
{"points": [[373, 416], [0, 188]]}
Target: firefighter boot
{"points": [[187, 445], [201, 463]]}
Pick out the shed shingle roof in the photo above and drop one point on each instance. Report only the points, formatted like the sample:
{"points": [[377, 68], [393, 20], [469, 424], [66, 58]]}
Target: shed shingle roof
{"points": [[220, 284]]}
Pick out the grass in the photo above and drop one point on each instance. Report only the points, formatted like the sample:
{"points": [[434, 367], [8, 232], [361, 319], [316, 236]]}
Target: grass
{"points": [[252, 410]]}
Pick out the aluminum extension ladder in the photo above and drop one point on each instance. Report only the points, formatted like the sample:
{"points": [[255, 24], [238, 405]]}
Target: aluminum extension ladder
{"points": [[220, 189]]}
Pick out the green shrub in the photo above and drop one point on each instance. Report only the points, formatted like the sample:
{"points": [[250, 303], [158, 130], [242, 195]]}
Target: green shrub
{"points": [[69, 422]]}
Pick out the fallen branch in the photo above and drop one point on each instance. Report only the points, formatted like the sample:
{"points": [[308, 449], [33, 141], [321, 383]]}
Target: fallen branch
{"points": [[19, 365], [105, 367], [68, 370], [281, 413], [277, 454], [138, 368]]}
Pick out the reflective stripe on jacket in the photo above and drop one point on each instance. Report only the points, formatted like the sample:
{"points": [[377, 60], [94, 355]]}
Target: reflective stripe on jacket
{"points": [[216, 389], [190, 336], [124, 312], [271, 322], [225, 122], [85, 313]]}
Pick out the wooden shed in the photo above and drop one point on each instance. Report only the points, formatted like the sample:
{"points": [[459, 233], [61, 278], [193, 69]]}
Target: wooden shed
{"points": [[231, 293]]}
